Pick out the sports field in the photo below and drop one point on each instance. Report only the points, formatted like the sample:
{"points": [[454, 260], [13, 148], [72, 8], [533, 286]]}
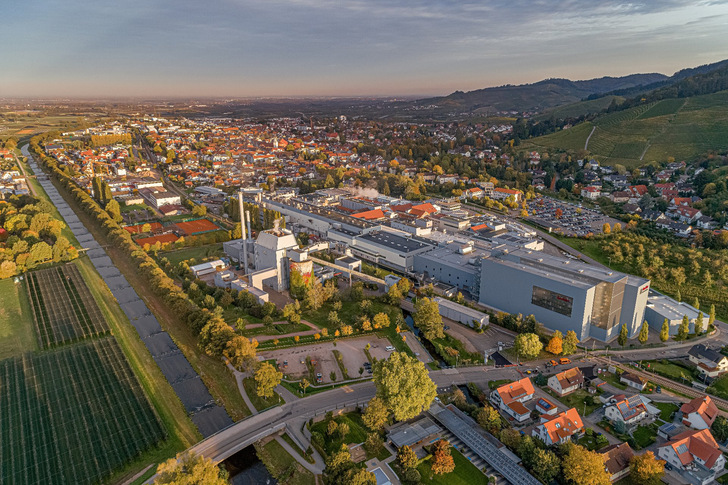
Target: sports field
{"points": [[72, 415], [197, 226], [62, 306]]}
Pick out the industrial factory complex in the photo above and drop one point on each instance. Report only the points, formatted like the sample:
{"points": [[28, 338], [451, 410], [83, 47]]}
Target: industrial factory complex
{"points": [[497, 264]]}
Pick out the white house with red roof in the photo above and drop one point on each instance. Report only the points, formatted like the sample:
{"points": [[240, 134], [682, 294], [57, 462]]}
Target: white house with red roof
{"points": [[699, 413], [566, 382], [502, 194], [560, 428], [695, 455], [509, 398]]}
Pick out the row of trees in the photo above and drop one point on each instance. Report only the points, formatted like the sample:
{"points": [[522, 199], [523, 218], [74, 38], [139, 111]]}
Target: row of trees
{"points": [[216, 337]]}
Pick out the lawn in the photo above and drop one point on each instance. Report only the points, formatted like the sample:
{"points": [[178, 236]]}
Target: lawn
{"points": [[668, 369], [16, 330], [644, 436], [298, 449], [612, 379], [593, 443], [577, 399], [283, 466], [465, 473], [278, 329], [720, 387], [260, 403], [453, 351], [194, 255], [357, 432], [495, 384], [666, 410], [350, 311]]}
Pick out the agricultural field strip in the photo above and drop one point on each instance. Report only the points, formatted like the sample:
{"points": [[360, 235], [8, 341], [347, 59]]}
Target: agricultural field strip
{"points": [[63, 307], [72, 416]]}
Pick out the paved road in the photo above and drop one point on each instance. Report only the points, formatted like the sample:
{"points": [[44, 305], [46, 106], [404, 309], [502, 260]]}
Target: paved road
{"points": [[293, 414], [194, 395]]}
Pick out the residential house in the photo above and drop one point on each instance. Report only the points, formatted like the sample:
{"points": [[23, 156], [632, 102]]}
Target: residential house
{"points": [[710, 363], [566, 382], [502, 194], [686, 215], [591, 192], [509, 398], [560, 428], [699, 413], [695, 455], [616, 460], [633, 380], [629, 410]]}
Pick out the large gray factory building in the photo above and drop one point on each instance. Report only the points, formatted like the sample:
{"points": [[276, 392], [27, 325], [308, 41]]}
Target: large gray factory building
{"points": [[564, 294]]}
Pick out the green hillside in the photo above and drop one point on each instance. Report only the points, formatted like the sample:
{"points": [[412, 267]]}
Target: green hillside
{"points": [[683, 128]]}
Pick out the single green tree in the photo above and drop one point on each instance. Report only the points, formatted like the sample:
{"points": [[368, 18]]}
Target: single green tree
{"points": [[404, 385], [644, 333], [528, 345], [696, 303], [428, 319], [665, 331], [684, 330], [622, 338], [711, 315], [699, 323], [570, 343]]}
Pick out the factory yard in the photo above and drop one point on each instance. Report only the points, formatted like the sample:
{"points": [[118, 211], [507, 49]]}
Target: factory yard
{"points": [[323, 359], [573, 220]]}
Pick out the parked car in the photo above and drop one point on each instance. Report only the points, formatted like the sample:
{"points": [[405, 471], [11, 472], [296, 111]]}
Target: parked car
{"points": [[553, 362], [564, 360], [389, 348]]}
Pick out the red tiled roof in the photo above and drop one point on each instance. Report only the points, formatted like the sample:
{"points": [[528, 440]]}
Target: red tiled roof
{"points": [[704, 406]]}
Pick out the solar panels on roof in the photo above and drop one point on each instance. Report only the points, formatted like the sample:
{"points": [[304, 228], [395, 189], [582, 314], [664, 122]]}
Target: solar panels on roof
{"points": [[681, 448]]}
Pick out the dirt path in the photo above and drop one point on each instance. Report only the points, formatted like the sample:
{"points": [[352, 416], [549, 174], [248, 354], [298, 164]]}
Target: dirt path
{"points": [[586, 143], [265, 338]]}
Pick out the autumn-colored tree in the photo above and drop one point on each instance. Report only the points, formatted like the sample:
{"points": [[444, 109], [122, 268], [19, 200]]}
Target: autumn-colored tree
{"points": [[190, 469], [489, 419], [583, 467], [406, 457], [558, 213], [606, 228], [555, 345], [442, 460], [570, 343], [381, 320], [241, 353], [645, 469], [376, 414], [266, 379]]}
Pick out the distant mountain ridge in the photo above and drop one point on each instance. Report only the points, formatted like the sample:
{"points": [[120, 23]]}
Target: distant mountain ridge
{"points": [[538, 96]]}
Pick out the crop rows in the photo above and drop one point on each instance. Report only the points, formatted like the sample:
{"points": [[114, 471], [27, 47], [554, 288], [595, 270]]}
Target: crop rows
{"points": [[72, 415], [63, 308]]}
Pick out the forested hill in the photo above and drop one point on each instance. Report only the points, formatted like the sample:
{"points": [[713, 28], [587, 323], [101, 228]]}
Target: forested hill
{"points": [[537, 96]]}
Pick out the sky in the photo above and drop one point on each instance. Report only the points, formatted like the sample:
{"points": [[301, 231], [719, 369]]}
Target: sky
{"points": [[242, 48]]}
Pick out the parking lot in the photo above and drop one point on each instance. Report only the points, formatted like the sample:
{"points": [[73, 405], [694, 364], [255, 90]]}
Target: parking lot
{"points": [[571, 219], [323, 359]]}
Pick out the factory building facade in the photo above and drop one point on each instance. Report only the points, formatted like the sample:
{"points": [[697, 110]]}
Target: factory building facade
{"points": [[563, 294]]}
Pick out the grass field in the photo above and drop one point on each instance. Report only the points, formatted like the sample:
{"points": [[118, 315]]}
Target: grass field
{"points": [[465, 473], [73, 415], [194, 255], [681, 128], [260, 403], [576, 400], [283, 466], [357, 432], [644, 436], [62, 306], [666, 410], [16, 332]]}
